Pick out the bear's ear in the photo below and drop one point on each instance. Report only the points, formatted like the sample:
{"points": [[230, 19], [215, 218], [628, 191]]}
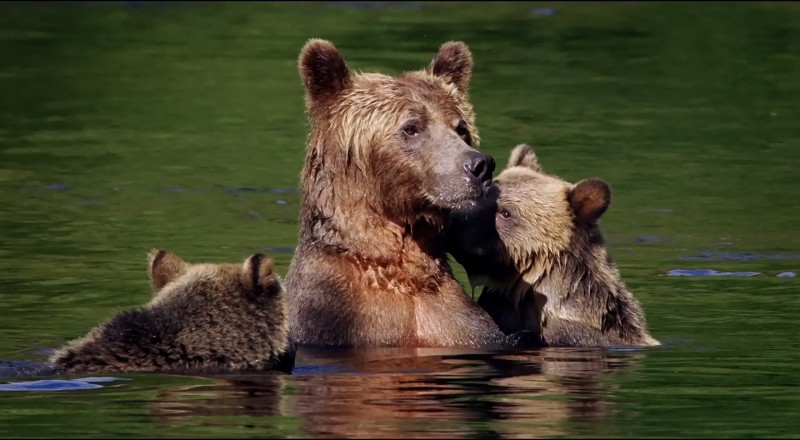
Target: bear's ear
{"points": [[453, 63], [163, 267], [324, 72], [589, 199], [257, 273], [523, 156]]}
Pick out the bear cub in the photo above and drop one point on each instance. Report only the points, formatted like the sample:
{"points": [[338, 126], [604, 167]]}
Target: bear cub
{"points": [[535, 245], [203, 318]]}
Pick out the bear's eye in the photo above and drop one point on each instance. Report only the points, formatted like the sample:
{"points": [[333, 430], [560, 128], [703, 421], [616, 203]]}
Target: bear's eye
{"points": [[463, 131], [504, 213], [411, 129]]}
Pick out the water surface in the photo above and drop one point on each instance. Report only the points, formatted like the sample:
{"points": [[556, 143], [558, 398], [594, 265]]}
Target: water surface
{"points": [[131, 125]]}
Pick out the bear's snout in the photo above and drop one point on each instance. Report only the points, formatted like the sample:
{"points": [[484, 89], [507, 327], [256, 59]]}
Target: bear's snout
{"points": [[481, 166]]}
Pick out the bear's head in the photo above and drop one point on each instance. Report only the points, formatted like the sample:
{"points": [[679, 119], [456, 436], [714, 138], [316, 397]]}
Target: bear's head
{"points": [[528, 222], [400, 147]]}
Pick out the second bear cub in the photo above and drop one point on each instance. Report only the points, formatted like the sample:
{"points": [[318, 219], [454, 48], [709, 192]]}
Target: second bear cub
{"points": [[202, 318], [536, 246]]}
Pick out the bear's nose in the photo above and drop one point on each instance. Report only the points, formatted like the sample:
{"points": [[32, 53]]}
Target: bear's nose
{"points": [[480, 165]]}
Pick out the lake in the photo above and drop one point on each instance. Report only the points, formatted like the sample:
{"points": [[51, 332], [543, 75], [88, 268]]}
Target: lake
{"points": [[126, 126]]}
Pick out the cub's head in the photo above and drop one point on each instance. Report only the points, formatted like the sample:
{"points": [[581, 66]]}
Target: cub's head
{"points": [[253, 281], [529, 220], [405, 144], [232, 316]]}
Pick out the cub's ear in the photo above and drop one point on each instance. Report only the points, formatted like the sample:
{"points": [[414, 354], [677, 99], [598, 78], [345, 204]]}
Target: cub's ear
{"points": [[163, 267], [453, 63], [258, 276], [589, 199], [324, 72], [523, 156]]}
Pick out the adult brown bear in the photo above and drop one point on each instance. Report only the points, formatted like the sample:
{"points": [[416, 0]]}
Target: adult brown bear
{"points": [[387, 159]]}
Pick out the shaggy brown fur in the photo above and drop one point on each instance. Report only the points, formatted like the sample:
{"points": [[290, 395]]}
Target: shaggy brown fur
{"points": [[202, 318], [387, 159], [536, 246]]}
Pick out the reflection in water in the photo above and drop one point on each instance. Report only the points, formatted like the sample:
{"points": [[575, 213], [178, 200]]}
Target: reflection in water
{"points": [[229, 396], [553, 386], [434, 393]]}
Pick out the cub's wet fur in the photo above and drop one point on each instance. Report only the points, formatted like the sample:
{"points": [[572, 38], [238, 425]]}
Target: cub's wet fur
{"points": [[203, 318], [535, 245]]}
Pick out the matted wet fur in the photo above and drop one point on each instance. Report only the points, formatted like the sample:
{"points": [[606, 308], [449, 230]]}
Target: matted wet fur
{"points": [[388, 157], [203, 318], [536, 246]]}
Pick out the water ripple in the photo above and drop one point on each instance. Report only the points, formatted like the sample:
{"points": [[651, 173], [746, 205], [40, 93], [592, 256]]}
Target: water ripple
{"points": [[708, 273], [738, 256], [84, 383]]}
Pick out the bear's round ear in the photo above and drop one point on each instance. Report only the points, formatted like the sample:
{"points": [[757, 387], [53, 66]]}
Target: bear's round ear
{"points": [[589, 199], [257, 273], [324, 72], [453, 63], [163, 267], [523, 156]]}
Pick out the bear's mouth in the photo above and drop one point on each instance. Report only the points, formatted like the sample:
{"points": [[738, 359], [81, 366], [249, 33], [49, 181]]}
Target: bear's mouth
{"points": [[456, 202], [465, 196]]}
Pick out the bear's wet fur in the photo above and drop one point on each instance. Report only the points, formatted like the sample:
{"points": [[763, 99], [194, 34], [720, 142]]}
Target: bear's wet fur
{"points": [[387, 159]]}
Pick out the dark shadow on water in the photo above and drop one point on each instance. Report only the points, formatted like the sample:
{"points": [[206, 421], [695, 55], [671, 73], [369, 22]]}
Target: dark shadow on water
{"points": [[22, 368]]}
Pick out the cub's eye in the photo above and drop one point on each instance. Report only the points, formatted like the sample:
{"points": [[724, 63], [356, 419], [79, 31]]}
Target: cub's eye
{"points": [[504, 213], [411, 129]]}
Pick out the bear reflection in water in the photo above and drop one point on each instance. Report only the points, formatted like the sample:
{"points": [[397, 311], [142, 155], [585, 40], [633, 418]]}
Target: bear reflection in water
{"points": [[405, 392]]}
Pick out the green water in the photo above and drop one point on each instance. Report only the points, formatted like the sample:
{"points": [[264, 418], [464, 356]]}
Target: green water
{"points": [[127, 126]]}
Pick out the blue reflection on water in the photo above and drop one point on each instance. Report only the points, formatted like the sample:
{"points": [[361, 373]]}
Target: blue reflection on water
{"points": [[83, 383]]}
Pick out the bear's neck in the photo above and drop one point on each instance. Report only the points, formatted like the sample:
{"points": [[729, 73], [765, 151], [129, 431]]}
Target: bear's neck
{"points": [[339, 216]]}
